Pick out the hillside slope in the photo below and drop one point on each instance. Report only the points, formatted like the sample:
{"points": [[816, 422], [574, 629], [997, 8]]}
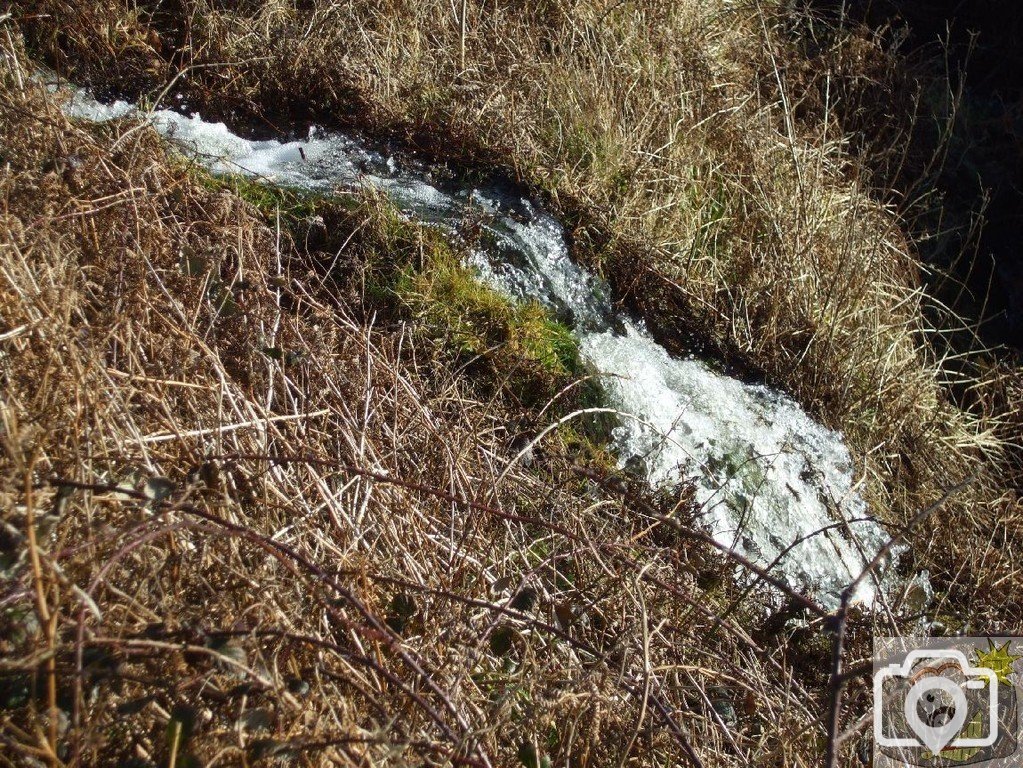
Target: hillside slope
{"points": [[264, 502], [247, 517]]}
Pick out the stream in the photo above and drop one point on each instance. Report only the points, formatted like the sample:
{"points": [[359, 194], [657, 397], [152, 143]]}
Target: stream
{"points": [[771, 482]]}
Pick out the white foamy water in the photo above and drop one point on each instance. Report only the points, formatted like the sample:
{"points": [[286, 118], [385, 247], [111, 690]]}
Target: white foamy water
{"points": [[772, 483], [766, 474]]}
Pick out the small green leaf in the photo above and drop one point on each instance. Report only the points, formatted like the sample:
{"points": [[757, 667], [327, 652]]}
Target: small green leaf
{"points": [[723, 706], [15, 691], [193, 265], [223, 300], [402, 608]]}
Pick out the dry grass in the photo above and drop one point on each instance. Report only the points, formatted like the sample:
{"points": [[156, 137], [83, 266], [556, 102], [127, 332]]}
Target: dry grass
{"points": [[664, 134], [244, 524], [674, 138]]}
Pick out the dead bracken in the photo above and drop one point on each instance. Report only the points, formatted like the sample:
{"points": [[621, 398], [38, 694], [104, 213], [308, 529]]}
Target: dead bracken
{"points": [[255, 503]]}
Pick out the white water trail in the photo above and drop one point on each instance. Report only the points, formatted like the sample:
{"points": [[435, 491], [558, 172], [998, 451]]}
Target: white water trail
{"points": [[772, 483]]}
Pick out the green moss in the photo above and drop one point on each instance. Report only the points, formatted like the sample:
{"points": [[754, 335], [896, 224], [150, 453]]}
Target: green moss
{"points": [[413, 271], [450, 300], [545, 340], [289, 203], [586, 441]]}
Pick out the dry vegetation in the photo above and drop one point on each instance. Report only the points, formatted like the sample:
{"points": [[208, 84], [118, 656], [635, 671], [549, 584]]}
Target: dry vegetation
{"points": [[685, 143], [241, 523], [333, 572]]}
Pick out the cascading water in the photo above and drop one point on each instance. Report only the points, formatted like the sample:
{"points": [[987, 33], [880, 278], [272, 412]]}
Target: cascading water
{"points": [[772, 483]]}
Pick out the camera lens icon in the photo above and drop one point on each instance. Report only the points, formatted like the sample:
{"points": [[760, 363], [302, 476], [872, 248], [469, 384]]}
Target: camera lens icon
{"points": [[935, 709], [945, 703]]}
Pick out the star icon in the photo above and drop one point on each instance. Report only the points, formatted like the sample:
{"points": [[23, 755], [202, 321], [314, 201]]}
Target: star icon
{"points": [[998, 659]]}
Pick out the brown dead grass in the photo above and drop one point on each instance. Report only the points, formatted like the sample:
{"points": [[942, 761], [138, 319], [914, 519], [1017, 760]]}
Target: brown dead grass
{"points": [[718, 198], [216, 555], [663, 132]]}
